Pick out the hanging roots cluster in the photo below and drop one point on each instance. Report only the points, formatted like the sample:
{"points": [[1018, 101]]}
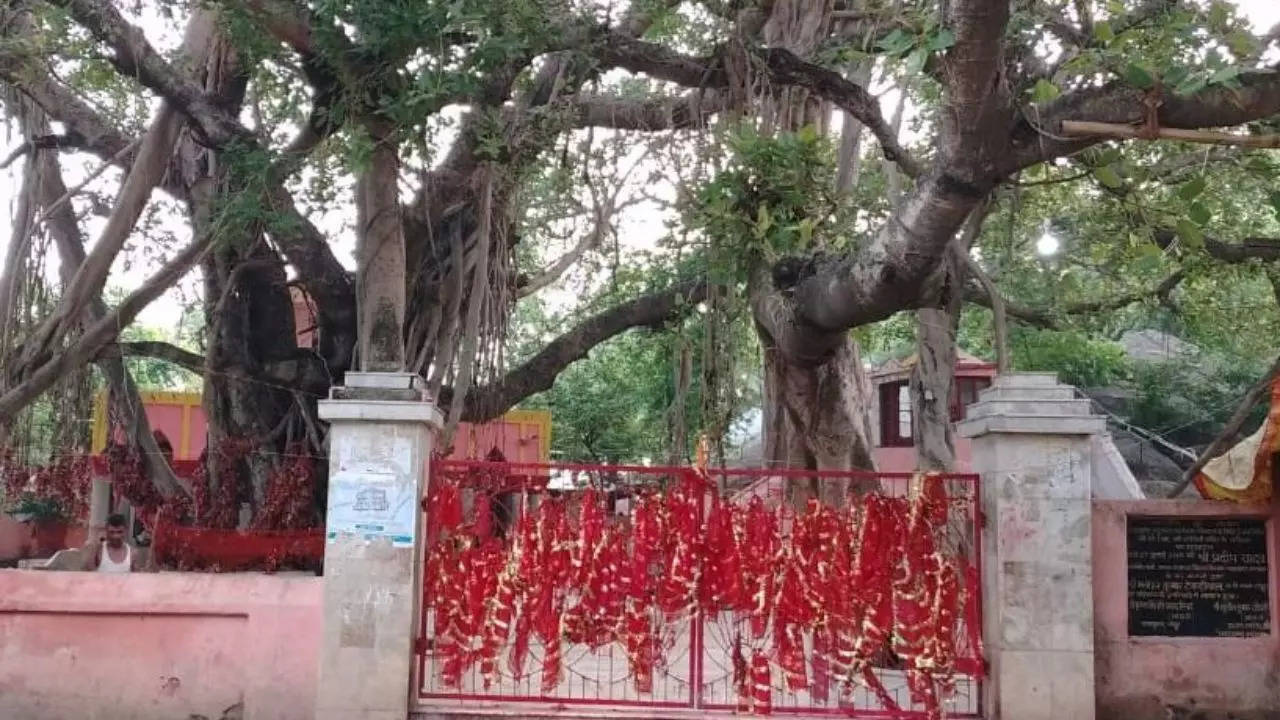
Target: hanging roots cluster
{"points": [[824, 596]]}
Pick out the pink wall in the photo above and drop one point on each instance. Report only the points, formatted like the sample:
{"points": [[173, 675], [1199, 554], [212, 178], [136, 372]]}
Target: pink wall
{"points": [[1209, 678], [903, 459], [158, 646]]}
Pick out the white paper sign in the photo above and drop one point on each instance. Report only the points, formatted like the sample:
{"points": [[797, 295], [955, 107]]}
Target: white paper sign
{"points": [[371, 505]]}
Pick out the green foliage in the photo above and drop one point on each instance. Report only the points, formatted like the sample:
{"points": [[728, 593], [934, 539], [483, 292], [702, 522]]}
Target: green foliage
{"points": [[612, 407], [237, 214], [771, 200], [1189, 400], [1077, 359], [917, 47], [37, 509]]}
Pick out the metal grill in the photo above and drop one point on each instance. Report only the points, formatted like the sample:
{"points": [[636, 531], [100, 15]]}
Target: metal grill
{"points": [[695, 670]]}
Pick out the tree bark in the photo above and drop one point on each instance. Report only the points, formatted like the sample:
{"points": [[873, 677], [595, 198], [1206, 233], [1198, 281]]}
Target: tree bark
{"points": [[815, 413], [381, 255], [849, 163], [933, 377]]}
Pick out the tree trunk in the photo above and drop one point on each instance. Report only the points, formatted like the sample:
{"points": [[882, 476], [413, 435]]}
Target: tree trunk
{"points": [[932, 381], [815, 414], [849, 161], [249, 321], [933, 377], [381, 255], [815, 417]]}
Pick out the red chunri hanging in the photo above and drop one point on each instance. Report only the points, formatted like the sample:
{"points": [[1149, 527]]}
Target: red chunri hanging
{"points": [[853, 583]]}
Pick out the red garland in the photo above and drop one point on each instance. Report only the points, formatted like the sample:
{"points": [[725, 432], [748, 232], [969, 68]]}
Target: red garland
{"points": [[761, 684], [860, 581]]}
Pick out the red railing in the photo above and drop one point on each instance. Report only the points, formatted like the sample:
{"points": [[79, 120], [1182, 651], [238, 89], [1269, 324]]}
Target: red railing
{"points": [[701, 658], [223, 550]]}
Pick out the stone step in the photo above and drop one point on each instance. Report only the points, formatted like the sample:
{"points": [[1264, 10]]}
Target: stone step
{"points": [[1034, 392], [1032, 424], [1026, 379], [1065, 408]]}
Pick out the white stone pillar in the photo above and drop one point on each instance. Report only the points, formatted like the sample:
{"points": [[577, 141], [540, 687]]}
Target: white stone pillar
{"points": [[380, 438], [99, 508], [1031, 446]]}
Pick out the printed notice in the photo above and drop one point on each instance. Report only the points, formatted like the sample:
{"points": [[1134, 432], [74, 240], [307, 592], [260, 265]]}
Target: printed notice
{"points": [[1203, 577], [371, 505]]}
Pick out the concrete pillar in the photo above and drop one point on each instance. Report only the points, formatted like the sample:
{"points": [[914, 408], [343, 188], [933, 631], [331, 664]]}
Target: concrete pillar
{"points": [[1031, 445], [380, 439], [99, 508]]}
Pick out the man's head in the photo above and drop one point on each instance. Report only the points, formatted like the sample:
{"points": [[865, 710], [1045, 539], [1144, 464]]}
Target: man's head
{"points": [[115, 530]]}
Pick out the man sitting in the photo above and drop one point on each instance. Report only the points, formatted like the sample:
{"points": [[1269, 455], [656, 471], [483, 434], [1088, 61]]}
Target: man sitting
{"points": [[113, 554]]}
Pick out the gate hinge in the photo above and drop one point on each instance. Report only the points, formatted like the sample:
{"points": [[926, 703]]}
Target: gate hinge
{"points": [[423, 504], [420, 645], [982, 520]]}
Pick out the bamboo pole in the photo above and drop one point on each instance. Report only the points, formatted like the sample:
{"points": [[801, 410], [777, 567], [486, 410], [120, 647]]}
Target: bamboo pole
{"points": [[1224, 439], [1081, 128]]}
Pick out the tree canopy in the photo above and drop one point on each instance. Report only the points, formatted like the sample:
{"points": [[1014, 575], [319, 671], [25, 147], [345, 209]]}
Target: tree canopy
{"points": [[521, 182]]}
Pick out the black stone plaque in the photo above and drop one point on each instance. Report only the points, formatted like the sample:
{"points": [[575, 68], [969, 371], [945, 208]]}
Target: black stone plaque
{"points": [[1198, 577]]}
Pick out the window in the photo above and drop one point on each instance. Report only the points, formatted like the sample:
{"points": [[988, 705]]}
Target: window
{"points": [[895, 407], [895, 415]]}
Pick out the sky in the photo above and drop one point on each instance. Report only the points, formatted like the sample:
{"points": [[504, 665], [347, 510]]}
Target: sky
{"points": [[636, 227]]}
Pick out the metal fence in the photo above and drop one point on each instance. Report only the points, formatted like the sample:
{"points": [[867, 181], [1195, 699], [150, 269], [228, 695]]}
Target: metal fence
{"points": [[478, 644]]}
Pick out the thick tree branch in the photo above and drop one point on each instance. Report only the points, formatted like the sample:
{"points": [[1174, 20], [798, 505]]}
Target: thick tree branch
{"points": [[86, 130], [539, 372], [305, 373], [690, 110], [125, 402], [1254, 248], [782, 66], [150, 167], [87, 346], [327, 72], [785, 67], [1051, 318], [322, 276], [884, 276], [305, 247], [134, 57], [42, 142], [1038, 137], [158, 350]]}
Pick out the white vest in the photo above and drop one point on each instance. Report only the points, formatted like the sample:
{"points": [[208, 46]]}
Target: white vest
{"points": [[107, 565]]}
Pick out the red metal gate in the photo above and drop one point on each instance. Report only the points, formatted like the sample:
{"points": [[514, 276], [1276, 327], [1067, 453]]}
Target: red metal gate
{"points": [[612, 643]]}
